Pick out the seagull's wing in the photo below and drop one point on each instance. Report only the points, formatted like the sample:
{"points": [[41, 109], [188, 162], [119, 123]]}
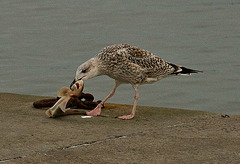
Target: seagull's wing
{"points": [[150, 64]]}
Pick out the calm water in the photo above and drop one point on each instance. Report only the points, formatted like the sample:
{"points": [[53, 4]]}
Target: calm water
{"points": [[43, 42]]}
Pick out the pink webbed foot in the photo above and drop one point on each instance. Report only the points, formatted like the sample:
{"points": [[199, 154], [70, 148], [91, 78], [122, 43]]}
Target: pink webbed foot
{"points": [[127, 117], [96, 111]]}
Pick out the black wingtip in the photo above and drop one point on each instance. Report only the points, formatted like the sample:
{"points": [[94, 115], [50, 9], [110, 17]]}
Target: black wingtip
{"points": [[188, 71], [179, 70]]}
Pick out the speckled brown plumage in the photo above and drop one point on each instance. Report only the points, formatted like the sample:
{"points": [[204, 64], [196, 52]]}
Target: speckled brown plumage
{"points": [[132, 64]]}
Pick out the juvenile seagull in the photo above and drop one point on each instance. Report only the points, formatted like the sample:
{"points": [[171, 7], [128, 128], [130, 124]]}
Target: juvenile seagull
{"points": [[127, 64]]}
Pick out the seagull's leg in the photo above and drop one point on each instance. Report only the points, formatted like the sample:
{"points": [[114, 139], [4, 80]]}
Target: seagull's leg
{"points": [[130, 116], [97, 110]]}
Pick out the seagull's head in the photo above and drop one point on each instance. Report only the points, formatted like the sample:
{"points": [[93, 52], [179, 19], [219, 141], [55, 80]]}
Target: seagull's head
{"points": [[87, 70]]}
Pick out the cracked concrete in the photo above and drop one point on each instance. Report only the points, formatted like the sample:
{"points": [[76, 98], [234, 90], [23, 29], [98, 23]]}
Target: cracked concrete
{"points": [[156, 135], [94, 142]]}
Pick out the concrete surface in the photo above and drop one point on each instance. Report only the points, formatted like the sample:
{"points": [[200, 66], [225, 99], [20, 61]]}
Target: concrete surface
{"points": [[155, 135]]}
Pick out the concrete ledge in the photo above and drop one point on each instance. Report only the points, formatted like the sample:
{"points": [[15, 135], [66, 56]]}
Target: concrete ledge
{"points": [[155, 135]]}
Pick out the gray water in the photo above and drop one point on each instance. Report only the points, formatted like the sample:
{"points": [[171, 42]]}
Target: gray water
{"points": [[43, 42]]}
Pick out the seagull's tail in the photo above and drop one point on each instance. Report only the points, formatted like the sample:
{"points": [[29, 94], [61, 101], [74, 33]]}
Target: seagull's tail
{"points": [[179, 70]]}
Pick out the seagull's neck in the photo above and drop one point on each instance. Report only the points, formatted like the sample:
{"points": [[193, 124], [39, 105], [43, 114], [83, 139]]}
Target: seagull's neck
{"points": [[95, 66]]}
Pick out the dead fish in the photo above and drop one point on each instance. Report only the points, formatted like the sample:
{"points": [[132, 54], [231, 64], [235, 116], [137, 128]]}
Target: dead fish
{"points": [[65, 93]]}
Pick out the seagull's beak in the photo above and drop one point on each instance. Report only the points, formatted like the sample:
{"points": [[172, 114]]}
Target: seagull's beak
{"points": [[74, 81]]}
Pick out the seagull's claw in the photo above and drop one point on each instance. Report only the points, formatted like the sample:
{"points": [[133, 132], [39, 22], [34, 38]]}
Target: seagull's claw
{"points": [[96, 111], [127, 117]]}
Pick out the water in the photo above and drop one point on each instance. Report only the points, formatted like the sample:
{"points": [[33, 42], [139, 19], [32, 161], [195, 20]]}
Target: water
{"points": [[43, 42]]}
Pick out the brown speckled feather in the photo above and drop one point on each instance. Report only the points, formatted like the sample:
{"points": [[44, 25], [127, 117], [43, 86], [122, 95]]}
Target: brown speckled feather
{"points": [[132, 64]]}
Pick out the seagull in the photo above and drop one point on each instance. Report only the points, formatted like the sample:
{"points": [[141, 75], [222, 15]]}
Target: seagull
{"points": [[127, 64]]}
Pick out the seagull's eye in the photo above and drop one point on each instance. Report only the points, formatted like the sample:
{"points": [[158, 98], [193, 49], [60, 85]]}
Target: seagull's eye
{"points": [[84, 71]]}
